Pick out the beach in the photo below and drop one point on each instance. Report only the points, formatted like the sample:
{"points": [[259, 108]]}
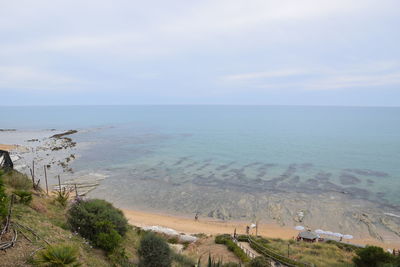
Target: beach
{"points": [[214, 227]]}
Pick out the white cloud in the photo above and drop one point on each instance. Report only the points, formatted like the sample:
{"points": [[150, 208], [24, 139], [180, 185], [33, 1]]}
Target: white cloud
{"points": [[265, 74], [21, 77], [369, 75]]}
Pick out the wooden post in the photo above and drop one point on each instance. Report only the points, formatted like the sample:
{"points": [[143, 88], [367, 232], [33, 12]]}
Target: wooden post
{"points": [[59, 183], [76, 191], [257, 222], [45, 177], [33, 171], [33, 178]]}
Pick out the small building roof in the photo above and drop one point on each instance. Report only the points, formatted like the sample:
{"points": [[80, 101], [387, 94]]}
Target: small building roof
{"points": [[308, 235]]}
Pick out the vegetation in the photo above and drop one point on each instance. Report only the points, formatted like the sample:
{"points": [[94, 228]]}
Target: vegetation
{"points": [[3, 198], [58, 256], [259, 262], [98, 221], [319, 254], [62, 197], [25, 197], [182, 260], [17, 180], [372, 256], [154, 251], [227, 241]]}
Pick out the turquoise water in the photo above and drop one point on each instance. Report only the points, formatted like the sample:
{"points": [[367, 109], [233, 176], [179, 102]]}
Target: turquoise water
{"points": [[351, 149]]}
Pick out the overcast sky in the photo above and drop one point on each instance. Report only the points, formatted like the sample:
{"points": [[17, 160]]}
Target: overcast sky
{"points": [[281, 52]]}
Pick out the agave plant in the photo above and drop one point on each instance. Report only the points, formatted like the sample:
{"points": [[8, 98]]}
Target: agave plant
{"points": [[62, 197], [211, 262], [58, 256]]}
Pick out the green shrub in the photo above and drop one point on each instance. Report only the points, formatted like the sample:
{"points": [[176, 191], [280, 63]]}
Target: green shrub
{"points": [[173, 240], [3, 199], [108, 240], [17, 180], [182, 260], [259, 262], [231, 264], [58, 256], [119, 258], [62, 197], [372, 256], [98, 221], [25, 197], [227, 241], [154, 251]]}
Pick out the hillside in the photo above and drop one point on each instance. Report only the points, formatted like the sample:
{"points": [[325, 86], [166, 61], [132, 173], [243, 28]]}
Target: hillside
{"points": [[41, 222]]}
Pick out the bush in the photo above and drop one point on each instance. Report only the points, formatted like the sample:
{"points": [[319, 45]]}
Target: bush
{"points": [[372, 256], [182, 260], [25, 197], [3, 199], [154, 251], [62, 197], [17, 180], [259, 262], [119, 258], [108, 240], [57, 256], [227, 241], [98, 221]]}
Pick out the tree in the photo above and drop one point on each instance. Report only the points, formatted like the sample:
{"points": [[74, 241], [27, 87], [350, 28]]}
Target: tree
{"points": [[371, 256], [154, 251]]}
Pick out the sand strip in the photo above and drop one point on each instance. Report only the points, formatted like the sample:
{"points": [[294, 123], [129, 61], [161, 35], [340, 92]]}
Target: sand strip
{"points": [[213, 227]]}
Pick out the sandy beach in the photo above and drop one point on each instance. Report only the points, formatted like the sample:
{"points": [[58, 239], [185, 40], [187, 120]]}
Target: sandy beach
{"points": [[8, 147], [213, 227]]}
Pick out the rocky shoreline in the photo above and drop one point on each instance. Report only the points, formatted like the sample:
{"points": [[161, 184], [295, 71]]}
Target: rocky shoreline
{"points": [[52, 150]]}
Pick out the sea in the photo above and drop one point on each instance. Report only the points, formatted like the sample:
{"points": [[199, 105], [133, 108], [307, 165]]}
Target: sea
{"points": [[172, 157]]}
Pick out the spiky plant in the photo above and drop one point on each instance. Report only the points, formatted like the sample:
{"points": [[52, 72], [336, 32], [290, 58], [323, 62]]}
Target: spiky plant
{"points": [[58, 256], [62, 197]]}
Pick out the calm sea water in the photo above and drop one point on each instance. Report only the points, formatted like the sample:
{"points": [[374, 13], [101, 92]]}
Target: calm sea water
{"points": [[353, 147]]}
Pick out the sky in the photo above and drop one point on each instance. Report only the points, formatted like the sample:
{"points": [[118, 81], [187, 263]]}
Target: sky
{"points": [[246, 52]]}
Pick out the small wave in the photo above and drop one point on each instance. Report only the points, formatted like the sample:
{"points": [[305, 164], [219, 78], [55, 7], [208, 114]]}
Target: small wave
{"points": [[391, 214]]}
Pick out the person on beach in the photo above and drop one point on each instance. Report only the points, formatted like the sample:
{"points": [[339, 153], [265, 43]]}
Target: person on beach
{"points": [[196, 217]]}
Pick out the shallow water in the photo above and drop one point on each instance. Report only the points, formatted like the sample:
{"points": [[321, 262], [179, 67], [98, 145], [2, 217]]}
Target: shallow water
{"points": [[241, 149]]}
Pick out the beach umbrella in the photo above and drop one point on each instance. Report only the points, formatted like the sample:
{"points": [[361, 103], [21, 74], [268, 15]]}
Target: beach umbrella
{"points": [[348, 237], [253, 225], [299, 228], [319, 231]]}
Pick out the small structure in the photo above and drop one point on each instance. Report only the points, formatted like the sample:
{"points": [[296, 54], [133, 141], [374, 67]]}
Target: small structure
{"points": [[307, 236], [5, 160]]}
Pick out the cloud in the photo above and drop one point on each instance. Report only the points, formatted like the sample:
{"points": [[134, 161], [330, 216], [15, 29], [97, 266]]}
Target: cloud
{"points": [[372, 75], [21, 77], [178, 48]]}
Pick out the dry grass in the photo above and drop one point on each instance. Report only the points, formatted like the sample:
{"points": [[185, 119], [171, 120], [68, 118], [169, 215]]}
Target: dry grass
{"points": [[320, 254], [17, 180], [205, 246]]}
